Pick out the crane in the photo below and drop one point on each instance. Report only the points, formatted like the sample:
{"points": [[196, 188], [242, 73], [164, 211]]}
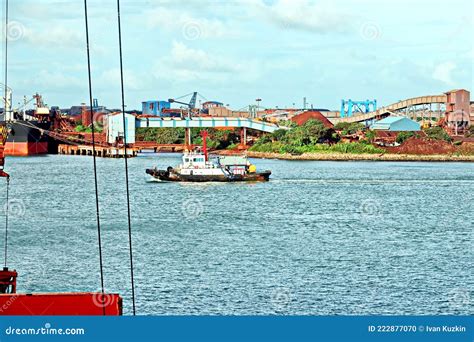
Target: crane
{"points": [[191, 104]]}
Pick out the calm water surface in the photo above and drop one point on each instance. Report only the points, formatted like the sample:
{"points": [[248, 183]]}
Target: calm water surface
{"points": [[319, 238]]}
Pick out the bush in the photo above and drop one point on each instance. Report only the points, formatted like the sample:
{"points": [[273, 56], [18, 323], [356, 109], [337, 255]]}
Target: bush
{"points": [[403, 136], [370, 135], [470, 132], [437, 133], [80, 128], [348, 128], [279, 135], [287, 123], [278, 147]]}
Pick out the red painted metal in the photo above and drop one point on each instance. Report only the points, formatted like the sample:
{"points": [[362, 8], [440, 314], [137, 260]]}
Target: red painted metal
{"points": [[25, 148], [60, 304]]}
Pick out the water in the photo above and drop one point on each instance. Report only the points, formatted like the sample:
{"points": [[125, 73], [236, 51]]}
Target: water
{"points": [[319, 238]]}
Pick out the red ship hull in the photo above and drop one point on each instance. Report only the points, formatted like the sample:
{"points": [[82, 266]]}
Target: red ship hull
{"points": [[25, 148], [60, 304]]}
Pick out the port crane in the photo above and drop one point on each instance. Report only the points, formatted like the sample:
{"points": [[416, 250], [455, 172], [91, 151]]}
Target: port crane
{"points": [[192, 103]]}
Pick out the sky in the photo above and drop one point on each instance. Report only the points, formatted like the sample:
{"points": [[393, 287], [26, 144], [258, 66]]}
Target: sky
{"points": [[239, 50]]}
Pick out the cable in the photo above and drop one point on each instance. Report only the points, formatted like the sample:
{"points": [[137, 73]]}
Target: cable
{"points": [[183, 96], [7, 209], [94, 157], [126, 158], [7, 205], [6, 59]]}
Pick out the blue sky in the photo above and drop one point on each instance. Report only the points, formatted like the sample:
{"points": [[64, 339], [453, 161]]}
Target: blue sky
{"points": [[239, 50]]}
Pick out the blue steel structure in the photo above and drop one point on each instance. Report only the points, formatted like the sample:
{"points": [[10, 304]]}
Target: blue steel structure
{"points": [[215, 122], [349, 107]]}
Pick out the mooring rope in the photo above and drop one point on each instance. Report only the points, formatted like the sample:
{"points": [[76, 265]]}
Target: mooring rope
{"points": [[94, 159], [126, 158]]}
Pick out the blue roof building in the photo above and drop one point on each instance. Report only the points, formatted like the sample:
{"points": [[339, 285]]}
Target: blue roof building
{"points": [[396, 124], [154, 107]]}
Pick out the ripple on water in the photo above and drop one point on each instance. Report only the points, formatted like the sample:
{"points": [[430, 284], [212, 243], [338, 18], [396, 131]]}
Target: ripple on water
{"points": [[319, 238]]}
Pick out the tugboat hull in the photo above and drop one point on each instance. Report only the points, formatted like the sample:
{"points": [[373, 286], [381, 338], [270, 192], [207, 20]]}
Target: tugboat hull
{"points": [[170, 176]]}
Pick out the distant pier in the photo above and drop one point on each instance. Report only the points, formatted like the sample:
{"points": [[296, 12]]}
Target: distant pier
{"points": [[100, 151], [119, 152]]}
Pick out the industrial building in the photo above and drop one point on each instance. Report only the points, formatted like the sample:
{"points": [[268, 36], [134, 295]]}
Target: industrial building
{"points": [[458, 110], [115, 129], [154, 107], [396, 124]]}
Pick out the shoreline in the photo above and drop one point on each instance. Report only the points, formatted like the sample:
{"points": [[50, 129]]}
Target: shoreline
{"points": [[362, 157]]}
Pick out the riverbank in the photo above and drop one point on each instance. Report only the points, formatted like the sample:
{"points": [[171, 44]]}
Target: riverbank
{"points": [[362, 157]]}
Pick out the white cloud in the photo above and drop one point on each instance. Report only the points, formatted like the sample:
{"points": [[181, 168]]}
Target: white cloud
{"points": [[443, 72], [112, 76], [185, 64], [190, 27], [307, 15], [57, 36], [189, 65]]}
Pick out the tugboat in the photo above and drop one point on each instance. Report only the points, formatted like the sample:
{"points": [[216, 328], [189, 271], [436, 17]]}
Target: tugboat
{"points": [[197, 167]]}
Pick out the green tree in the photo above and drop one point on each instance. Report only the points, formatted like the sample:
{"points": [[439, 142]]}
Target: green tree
{"points": [[279, 135], [370, 135], [437, 133], [348, 128], [403, 136]]}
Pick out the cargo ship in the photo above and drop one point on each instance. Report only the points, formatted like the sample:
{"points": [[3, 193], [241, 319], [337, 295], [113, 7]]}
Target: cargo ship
{"points": [[25, 138], [26, 128]]}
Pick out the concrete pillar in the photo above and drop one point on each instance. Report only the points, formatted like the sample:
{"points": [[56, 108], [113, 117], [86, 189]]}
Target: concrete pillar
{"points": [[187, 137]]}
